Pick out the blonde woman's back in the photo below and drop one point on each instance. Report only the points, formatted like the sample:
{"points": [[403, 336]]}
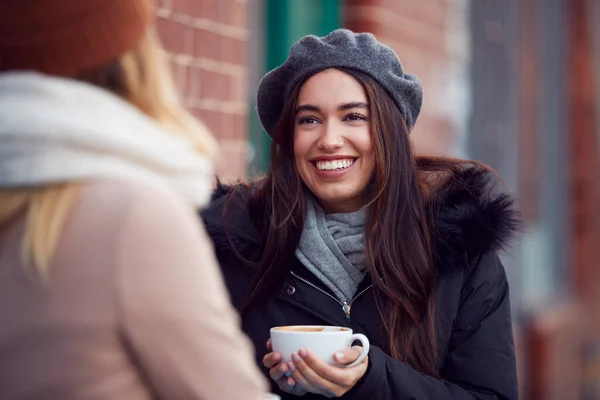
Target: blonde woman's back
{"points": [[129, 309]]}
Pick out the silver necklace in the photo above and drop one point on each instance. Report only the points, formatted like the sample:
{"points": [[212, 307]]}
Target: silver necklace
{"points": [[346, 306]]}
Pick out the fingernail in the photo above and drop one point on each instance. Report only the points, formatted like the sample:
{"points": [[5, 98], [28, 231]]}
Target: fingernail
{"points": [[295, 357], [303, 353], [283, 368], [339, 356], [292, 367], [291, 382]]}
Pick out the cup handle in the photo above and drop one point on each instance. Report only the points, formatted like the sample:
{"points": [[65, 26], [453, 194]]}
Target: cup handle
{"points": [[365, 345]]}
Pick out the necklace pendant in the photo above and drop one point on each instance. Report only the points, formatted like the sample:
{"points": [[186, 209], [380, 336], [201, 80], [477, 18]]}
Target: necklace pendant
{"points": [[346, 308]]}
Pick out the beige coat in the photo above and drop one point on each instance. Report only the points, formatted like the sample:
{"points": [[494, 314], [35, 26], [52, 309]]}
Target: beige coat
{"points": [[134, 308]]}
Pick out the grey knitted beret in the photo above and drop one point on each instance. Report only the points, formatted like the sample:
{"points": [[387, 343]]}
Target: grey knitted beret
{"points": [[341, 48]]}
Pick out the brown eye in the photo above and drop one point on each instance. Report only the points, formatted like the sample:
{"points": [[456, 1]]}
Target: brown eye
{"points": [[308, 120], [355, 117]]}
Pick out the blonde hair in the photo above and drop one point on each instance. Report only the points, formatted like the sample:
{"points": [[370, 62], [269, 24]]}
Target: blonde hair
{"points": [[142, 77]]}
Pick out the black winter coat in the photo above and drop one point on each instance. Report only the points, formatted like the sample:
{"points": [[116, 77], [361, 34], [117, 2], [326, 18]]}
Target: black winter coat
{"points": [[473, 319]]}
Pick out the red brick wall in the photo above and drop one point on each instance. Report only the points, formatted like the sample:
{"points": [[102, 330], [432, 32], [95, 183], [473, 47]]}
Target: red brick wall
{"points": [[206, 41], [555, 340], [584, 193], [418, 31], [585, 197]]}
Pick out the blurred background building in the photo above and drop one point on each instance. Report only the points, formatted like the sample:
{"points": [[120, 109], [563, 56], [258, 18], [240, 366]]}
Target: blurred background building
{"points": [[512, 83]]}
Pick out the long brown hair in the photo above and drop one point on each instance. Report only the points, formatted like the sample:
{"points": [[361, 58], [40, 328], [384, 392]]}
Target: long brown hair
{"points": [[399, 252]]}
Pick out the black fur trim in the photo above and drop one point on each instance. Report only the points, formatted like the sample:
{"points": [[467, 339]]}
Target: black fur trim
{"points": [[473, 217], [228, 222]]}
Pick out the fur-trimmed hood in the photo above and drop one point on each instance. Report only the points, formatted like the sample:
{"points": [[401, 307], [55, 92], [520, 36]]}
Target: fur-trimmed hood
{"points": [[473, 217]]}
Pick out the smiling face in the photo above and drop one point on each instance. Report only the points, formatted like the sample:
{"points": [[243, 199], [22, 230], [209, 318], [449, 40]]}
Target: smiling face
{"points": [[332, 140]]}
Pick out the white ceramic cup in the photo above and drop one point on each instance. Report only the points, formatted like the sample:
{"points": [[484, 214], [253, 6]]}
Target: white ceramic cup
{"points": [[323, 341]]}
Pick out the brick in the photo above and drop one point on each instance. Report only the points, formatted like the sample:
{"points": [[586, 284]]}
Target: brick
{"points": [[238, 14], [213, 85], [179, 72], [188, 41], [224, 12], [239, 126], [242, 51], [208, 9], [185, 82], [227, 130], [172, 35], [168, 4], [236, 89], [212, 119], [234, 50], [197, 84], [192, 8], [207, 44], [192, 89], [162, 25]]}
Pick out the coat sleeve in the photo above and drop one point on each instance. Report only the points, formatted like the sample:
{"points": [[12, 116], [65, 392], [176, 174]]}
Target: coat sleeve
{"points": [[480, 363]]}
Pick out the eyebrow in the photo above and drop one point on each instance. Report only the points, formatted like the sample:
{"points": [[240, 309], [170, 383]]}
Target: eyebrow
{"points": [[345, 106]]}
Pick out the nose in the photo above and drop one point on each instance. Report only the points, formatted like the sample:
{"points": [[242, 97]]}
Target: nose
{"points": [[331, 139]]}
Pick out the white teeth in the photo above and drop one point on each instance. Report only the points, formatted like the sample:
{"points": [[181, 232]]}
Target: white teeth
{"points": [[333, 165]]}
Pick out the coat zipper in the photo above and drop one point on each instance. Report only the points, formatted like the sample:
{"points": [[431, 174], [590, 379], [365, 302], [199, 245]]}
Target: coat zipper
{"points": [[346, 306]]}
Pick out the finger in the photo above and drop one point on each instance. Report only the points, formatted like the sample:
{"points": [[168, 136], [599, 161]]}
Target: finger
{"points": [[299, 379], [308, 378], [271, 359], [289, 385], [278, 372], [317, 370], [269, 345], [348, 356]]}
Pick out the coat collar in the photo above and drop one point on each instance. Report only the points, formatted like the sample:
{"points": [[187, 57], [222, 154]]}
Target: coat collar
{"points": [[472, 218]]}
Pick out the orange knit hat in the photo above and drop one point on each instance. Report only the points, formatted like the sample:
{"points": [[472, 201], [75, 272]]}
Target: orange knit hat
{"points": [[66, 37]]}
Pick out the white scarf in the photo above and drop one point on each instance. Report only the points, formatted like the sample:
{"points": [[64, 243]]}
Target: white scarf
{"points": [[55, 130]]}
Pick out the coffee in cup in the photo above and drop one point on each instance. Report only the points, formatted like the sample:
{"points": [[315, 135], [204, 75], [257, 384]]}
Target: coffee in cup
{"points": [[323, 341]]}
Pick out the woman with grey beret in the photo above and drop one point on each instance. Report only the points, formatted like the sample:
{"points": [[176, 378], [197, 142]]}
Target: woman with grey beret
{"points": [[350, 228]]}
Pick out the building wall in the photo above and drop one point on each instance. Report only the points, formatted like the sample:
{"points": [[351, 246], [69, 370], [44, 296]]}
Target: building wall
{"points": [[430, 39], [206, 42], [584, 193]]}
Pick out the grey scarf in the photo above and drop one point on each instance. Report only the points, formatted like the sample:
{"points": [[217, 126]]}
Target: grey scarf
{"points": [[332, 248]]}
